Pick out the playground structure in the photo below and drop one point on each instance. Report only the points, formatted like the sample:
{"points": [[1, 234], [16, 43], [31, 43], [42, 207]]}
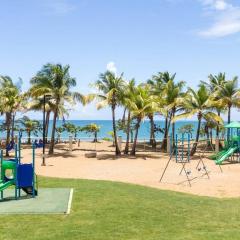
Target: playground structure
{"points": [[17, 174], [180, 149], [231, 149]]}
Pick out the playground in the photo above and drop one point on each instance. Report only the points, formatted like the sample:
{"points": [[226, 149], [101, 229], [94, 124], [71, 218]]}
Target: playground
{"points": [[126, 187], [19, 186], [145, 169]]}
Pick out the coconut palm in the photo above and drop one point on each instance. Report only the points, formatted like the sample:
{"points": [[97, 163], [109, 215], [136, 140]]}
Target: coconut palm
{"points": [[59, 131], [55, 81], [11, 100], [214, 81], [140, 105], [197, 103], [158, 83], [213, 84], [30, 126], [126, 126], [229, 95], [37, 104], [72, 128], [92, 128], [110, 87], [172, 94]]}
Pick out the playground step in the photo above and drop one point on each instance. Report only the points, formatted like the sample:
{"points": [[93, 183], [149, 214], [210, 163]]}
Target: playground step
{"points": [[181, 161]]}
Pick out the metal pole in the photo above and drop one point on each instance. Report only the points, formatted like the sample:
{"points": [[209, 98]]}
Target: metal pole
{"points": [[33, 165], [16, 171], [182, 146], [19, 160], [176, 148], [165, 169], [2, 173], [44, 130]]}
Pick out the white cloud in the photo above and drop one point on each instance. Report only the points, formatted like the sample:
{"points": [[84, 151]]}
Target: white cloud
{"points": [[226, 18], [217, 4], [111, 67], [221, 5], [59, 7]]}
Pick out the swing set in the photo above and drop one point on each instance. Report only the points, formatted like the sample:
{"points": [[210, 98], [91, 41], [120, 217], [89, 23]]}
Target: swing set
{"points": [[181, 149]]}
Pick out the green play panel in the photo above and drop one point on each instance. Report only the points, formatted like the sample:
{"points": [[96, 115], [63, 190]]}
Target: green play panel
{"points": [[48, 201]]}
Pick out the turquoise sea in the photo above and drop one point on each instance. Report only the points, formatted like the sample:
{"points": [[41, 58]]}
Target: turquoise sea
{"points": [[106, 127]]}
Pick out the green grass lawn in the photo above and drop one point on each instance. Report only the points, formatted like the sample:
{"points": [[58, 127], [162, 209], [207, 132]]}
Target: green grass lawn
{"points": [[107, 210]]}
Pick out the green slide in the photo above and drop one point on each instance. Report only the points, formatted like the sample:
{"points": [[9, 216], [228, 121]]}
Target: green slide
{"points": [[218, 155], [224, 156], [5, 185]]}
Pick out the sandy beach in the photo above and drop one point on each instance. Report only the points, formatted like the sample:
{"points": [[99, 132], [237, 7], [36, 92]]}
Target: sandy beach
{"points": [[144, 169]]}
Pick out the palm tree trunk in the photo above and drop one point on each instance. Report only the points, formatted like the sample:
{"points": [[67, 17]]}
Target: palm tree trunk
{"points": [[133, 152], [217, 130], [169, 123], [164, 142], [131, 133], [117, 150], [211, 136], [152, 132], [229, 120], [13, 125], [208, 135], [8, 124], [126, 150], [52, 143], [124, 115], [229, 114], [29, 137], [173, 128], [95, 137], [194, 148]]}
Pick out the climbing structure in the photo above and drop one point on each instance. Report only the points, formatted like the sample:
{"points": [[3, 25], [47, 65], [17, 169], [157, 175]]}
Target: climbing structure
{"points": [[17, 174]]}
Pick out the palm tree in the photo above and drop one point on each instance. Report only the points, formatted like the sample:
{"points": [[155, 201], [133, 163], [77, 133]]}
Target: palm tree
{"points": [[92, 128], [11, 101], [110, 87], [216, 81], [140, 105], [229, 95], [29, 126], [59, 131], [55, 81], [198, 103], [37, 104], [158, 83], [127, 96], [173, 93], [72, 128]]}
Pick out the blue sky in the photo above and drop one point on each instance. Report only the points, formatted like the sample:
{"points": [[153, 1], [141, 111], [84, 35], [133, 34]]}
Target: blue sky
{"points": [[139, 37]]}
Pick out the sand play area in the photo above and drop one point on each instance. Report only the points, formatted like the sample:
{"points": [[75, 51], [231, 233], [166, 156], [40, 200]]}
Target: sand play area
{"points": [[144, 170]]}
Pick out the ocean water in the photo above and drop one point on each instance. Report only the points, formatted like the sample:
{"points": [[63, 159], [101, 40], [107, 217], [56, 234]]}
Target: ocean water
{"points": [[106, 127]]}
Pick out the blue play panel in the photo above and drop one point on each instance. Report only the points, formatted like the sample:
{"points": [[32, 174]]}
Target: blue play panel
{"points": [[48, 201]]}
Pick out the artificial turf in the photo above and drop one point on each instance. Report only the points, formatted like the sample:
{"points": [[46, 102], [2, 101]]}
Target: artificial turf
{"points": [[109, 210], [51, 200]]}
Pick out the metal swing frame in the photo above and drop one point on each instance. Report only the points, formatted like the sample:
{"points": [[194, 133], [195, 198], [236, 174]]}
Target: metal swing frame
{"points": [[175, 151]]}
